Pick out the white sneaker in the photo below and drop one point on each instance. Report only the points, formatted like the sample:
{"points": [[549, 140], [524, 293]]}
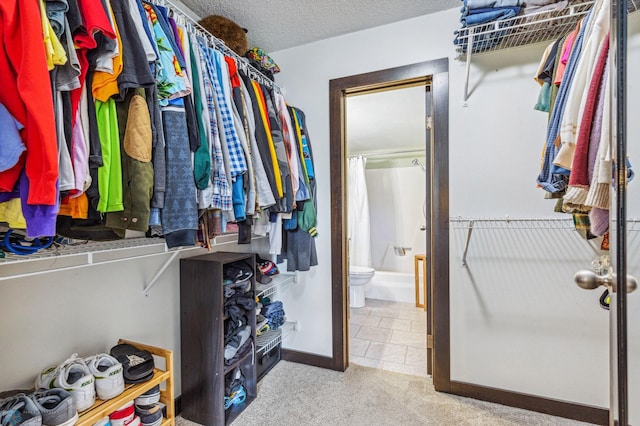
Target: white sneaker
{"points": [[46, 379], [75, 377], [108, 373]]}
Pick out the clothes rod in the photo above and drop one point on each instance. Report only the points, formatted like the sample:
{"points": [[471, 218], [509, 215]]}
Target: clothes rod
{"points": [[243, 63]]}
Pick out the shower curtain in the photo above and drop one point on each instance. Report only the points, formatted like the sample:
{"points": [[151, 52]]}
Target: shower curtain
{"points": [[358, 219]]}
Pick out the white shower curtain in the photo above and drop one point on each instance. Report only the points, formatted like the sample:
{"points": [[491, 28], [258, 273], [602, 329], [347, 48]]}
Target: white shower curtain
{"points": [[359, 222]]}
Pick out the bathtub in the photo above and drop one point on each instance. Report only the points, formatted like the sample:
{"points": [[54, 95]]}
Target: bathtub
{"points": [[393, 286]]}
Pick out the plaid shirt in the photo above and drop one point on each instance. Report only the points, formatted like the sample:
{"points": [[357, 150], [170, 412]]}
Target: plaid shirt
{"points": [[227, 129], [221, 189]]}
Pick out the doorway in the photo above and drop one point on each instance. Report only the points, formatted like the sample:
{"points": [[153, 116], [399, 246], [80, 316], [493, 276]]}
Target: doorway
{"points": [[434, 73], [387, 132]]}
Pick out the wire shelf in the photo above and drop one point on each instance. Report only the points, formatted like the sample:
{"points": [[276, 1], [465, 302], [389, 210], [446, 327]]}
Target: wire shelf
{"points": [[511, 223], [279, 282], [76, 247], [268, 340], [81, 253], [524, 223], [523, 29]]}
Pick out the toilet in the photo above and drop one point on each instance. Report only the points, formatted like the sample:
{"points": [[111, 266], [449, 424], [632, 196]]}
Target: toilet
{"points": [[359, 277]]}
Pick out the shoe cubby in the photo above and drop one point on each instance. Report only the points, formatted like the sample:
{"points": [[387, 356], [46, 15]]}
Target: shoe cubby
{"points": [[204, 333], [163, 374]]}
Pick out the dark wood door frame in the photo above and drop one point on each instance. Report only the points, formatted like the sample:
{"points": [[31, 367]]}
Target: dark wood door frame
{"points": [[435, 73], [438, 246]]}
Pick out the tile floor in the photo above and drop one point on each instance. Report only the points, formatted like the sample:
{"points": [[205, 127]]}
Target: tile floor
{"points": [[390, 336]]}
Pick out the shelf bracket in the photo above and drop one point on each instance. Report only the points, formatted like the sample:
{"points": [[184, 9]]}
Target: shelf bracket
{"points": [[470, 38], [466, 245], [147, 288]]}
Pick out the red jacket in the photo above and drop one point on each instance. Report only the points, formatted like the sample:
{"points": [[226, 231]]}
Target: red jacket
{"points": [[26, 93]]}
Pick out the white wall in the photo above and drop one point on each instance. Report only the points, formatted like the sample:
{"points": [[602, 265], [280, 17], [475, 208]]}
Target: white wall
{"points": [[396, 200], [518, 321], [45, 318]]}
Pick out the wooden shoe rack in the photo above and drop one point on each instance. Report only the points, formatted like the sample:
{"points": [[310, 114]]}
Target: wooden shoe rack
{"points": [[101, 409]]}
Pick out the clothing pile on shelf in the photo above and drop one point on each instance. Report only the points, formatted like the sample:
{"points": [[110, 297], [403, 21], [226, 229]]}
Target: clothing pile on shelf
{"points": [[492, 19], [238, 305], [234, 390], [575, 92], [119, 115], [271, 314]]}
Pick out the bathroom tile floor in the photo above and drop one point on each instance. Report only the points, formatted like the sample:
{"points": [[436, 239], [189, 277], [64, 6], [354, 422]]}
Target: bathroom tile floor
{"points": [[390, 336]]}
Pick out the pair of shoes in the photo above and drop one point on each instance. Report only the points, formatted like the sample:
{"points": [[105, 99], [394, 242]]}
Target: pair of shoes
{"points": [[150, 397], [137, 364], [48, 407], [74, 376], [19, 410], [150, 414], [235, 398], [108, 373], [125, 416], [83, 378], [56, 406], [238, 272]]}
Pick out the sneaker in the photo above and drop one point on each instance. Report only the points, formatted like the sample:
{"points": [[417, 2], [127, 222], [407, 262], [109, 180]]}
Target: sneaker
{"points": [[238, 273], [150, 397], [56, 407], [123, 415], [108, 374], [150, 415], [74, 376], [19, 410], [46, 379], [103, 422], [135, 421]]}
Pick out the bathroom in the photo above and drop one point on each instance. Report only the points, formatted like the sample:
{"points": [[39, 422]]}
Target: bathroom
{"points": [[386, 139], [386, 202]]}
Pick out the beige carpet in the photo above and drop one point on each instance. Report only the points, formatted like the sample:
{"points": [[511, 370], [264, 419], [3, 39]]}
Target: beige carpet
{"points": [[298, 395]]}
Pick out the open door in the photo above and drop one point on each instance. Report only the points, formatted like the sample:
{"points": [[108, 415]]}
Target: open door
{"points": [[618, 280]]}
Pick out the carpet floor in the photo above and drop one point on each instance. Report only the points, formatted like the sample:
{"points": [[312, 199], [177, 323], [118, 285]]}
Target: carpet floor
{"points": [[294, 394]]}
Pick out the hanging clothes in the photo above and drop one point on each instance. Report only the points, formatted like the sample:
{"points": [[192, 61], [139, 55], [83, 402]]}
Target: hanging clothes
{"points": [[140, 122]]}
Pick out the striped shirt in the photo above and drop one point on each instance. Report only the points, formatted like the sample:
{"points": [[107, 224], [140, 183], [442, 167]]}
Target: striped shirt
{"points": [[221, 188], [227, 129]]}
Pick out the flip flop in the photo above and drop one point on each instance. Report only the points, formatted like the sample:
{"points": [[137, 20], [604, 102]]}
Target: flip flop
{"points": [[137, 364]]}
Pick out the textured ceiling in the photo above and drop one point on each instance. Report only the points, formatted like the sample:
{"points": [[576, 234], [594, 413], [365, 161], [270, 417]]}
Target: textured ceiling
{"points": [[279, 24]]}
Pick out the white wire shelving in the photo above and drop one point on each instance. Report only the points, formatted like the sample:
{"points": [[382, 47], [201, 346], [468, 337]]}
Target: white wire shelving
{"points": [[541, 224], [520, 31], [279, 282], [79, 254], [272, 338], [268, 340]]}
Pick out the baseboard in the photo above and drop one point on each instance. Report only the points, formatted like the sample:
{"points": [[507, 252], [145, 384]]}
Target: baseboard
{"points": [[308, 359], [177, 405], [583, 413]]}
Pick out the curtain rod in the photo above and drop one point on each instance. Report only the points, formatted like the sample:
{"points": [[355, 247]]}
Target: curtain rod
{"points": [[390, 152], [217, 43]]}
